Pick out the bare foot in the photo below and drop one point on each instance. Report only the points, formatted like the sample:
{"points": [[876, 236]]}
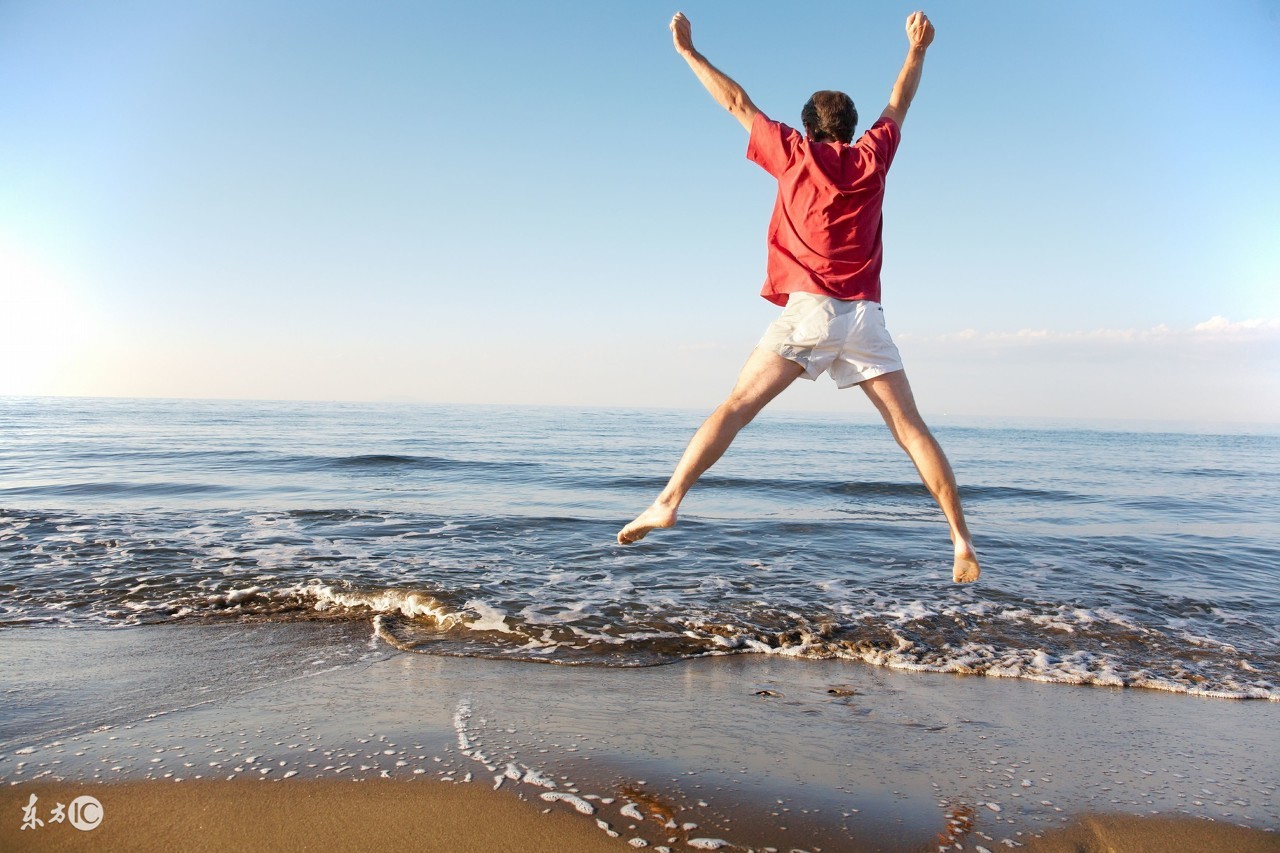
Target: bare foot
{"points": [[965, 568], [654, 517]]}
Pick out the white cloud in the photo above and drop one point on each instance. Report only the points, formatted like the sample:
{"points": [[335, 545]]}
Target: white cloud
{"points": [[1217, 370], [1248, 329]]}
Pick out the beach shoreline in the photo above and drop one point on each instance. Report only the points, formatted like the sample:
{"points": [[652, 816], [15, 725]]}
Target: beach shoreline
{"points": [[756, 751]]}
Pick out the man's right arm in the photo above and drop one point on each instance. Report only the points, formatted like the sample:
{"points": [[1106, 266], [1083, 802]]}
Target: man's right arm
{"points": [[919, 37], [727, 93]]}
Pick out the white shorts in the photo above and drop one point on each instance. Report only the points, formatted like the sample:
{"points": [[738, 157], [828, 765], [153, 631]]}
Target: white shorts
{"points": [[822, 333]]}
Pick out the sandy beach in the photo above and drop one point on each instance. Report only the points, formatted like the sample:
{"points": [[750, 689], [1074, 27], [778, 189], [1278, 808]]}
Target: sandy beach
{"points": [[372, 814], [208, 737], [326, 815]]}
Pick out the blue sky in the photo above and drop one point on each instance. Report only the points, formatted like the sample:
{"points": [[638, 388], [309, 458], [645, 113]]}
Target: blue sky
{"points": [[537, 203]]}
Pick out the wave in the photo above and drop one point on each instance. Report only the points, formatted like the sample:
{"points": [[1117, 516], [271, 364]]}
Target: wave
{"points": [[1014, 639], [258, 464], [383, 461], [102, 489], [846, 488], [554, 589], [266, 462]]}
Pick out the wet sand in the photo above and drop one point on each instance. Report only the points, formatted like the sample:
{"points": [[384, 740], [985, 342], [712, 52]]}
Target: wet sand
{"points": [[269, 727], [1128, 834]]}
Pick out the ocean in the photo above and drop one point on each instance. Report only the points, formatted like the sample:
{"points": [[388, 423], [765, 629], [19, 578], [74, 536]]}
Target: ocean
{"points": [[1145, 559]]}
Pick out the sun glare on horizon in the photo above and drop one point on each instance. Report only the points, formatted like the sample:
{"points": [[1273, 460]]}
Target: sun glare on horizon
{"points": [[44, 327]]}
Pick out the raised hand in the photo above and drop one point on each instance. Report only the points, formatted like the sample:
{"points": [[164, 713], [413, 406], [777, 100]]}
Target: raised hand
{"points": [[919, 30], [682, 34], [727, 93]]}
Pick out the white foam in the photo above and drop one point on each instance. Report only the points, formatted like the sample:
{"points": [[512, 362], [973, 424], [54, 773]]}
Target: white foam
{"points": [[489, 618], [460, 718], [1080, 667], [533, 777], [409, 603], [236, 596], [577, 802]]}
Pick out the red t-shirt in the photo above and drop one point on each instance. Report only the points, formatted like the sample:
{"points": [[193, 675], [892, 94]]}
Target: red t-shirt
{"points": [[824, 236]]}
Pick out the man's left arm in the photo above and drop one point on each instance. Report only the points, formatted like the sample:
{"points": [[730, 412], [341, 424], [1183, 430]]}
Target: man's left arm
{"points": [[727, 93]]}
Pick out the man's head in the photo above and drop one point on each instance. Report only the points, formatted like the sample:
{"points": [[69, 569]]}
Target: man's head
{"points": [[829, 117]]}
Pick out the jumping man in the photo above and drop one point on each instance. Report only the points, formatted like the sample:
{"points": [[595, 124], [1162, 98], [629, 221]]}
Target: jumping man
{"points": [[824, 259]]}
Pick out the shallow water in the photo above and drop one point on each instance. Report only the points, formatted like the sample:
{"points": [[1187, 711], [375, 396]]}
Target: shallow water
{"points": [[763, 751], [1121, 558]]}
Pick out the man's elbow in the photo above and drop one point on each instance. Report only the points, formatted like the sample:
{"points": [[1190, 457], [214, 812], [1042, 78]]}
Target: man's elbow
{"points": [[745, 114], [741, 108]]}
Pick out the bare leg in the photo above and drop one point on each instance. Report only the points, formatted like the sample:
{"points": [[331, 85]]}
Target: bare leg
{"points": [[891, 394], [765, 375]]}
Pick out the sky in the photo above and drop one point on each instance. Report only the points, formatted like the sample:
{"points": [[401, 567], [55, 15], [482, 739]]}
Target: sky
{"points": [[537, 203]]}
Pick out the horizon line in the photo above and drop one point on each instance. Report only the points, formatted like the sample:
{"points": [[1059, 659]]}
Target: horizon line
{"points": [[1117, 423]]}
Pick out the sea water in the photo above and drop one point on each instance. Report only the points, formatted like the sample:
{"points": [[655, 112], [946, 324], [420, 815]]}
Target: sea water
{"points": [[1110, 556]]}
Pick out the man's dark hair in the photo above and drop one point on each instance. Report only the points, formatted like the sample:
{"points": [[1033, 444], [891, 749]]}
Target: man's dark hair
{"points": [[829, 117]]}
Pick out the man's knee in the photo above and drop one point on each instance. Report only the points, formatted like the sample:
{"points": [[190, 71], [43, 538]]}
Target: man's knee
{"points": [[910, 429], [741, 409]]}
